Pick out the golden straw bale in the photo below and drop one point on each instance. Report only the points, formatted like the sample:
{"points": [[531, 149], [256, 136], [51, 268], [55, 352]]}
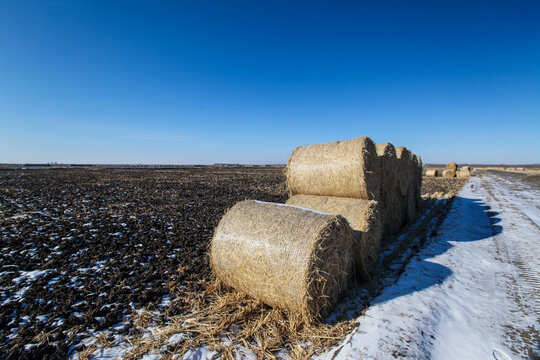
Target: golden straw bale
{"points": [[340, 168], [390, 196], [286, 256], [432, 172], [449, 173], [463, 174], [364, 217], [451, 166]]}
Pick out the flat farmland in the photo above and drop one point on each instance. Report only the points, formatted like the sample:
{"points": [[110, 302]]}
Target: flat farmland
{"points": [[84, 251]]}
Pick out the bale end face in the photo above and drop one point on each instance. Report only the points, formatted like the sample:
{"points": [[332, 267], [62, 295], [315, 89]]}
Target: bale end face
{"points": [[364, 218]]}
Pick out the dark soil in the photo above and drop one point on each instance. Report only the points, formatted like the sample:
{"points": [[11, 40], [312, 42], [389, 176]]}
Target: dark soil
{"points": [[111, 241]]}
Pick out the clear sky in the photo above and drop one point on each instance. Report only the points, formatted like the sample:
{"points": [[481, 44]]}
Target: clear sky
{"points": [[186, 82]]}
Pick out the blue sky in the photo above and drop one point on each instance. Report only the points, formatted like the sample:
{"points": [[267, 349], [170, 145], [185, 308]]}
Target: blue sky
{"points": [[246, 82]]}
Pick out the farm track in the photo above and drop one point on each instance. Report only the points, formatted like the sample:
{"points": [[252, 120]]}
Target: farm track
{"points": [[516, 200], [83, 250]]}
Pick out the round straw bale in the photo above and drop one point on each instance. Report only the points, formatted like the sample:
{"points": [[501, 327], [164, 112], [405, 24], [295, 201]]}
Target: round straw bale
{"points": [[390, 198], [463, 174], [449, 173], [363, 216], [286, 256], [405, 173], [340, 168], [432, 172], [451, 166]]}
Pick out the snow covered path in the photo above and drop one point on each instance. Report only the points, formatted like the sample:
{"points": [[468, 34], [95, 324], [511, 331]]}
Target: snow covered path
{"points": [[473, 290]]}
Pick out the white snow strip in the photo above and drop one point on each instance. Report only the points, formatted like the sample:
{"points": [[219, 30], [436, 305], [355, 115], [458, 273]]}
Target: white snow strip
{"points": [[30, 275]]}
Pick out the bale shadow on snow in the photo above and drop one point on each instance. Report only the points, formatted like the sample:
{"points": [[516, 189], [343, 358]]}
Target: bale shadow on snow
{"points": [[470, 217], [473, 221]]}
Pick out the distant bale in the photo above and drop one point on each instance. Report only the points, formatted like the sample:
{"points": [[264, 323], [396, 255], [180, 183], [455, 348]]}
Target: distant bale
{"points": [[463, 174], [451, 166], [432, 172], [449, 173], [286, 256], [340, 168], [466, 168], [364, 217], [520, 169], [405, 168], [390, 196]]}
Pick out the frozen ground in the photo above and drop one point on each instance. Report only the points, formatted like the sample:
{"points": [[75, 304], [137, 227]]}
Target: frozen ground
{"points": [[464, 288], [469, 290], [473, 289]]}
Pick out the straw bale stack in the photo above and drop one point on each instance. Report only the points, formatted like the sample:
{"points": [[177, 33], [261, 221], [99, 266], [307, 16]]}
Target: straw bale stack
{"points": [[451, 166], [449, 174], [286, 256], [365, 219], [340, 168], [390, 194], [432, 172]]}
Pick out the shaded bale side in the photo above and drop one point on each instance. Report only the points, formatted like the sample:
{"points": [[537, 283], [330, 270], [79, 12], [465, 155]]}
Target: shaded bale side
{"points": [[449, 174], [451, 166], [364, 217], [340, 168], [288, 257], [390, 196], [405, 173], [432, 172], [418, 182], [410, 205]]}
